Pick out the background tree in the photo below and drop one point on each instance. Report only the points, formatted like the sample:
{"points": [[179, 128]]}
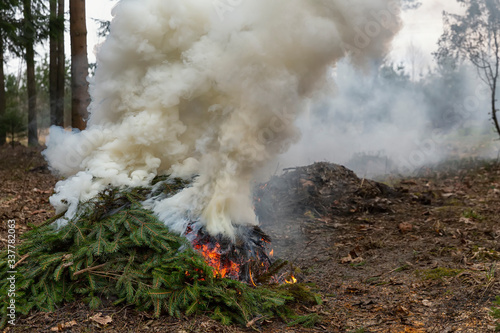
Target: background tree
{"points": [[416, 59], [79, 64], [411, 4], [61, 65], [53, 61], [8, 39], [3, 99], [475, 36], [14, 120], [33, 30], [29, 41], [57, 70]]}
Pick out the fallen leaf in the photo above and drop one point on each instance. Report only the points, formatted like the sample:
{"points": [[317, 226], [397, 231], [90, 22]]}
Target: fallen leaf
{"points": [[402, 310], [346, 260], [356, 252], [405, 227], [350, 260], [427, 303], [98, 318], [62, 327], [357, 260], [465, 220]]}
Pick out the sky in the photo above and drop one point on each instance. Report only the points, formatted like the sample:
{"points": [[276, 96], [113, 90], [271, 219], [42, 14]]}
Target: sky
{"points": [[101, 10], [422, 28], [95, 9]]}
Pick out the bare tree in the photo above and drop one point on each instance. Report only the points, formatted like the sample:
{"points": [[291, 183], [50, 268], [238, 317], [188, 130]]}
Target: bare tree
{"points": [[475, 36], [416, 57], [79, 64]]}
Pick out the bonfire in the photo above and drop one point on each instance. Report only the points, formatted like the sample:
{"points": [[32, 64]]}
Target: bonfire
{"points": [[189, 104]]}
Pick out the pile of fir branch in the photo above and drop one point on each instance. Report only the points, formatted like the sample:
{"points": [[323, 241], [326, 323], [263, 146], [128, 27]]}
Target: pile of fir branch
{"points": [[115, 249]]}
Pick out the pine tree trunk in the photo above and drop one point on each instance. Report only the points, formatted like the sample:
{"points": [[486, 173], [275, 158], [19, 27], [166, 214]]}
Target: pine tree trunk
{"points": [[79, 64], [57, 69], [53, 62], [31, 84], [3, 100], [61, 66]]}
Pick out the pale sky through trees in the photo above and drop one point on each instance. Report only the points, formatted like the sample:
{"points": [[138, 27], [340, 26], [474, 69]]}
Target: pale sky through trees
{"points": [[422, 27]]}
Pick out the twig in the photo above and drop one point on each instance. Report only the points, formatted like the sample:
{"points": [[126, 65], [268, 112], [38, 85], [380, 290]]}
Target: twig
{"points": [[253, 321], [88, 269], [49, 221], [304, 249], [21, 260]]}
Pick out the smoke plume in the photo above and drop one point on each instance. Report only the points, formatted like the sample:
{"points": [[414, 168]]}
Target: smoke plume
{"points": [[208, 90], [382, 122]]}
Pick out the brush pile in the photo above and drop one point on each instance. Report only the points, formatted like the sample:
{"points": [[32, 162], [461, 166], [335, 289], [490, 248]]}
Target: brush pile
{"points": [[324, 188], [115, 251]]}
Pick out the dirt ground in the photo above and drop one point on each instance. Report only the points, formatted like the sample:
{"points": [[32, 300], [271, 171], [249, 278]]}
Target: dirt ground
{"points": [[419, 256]]}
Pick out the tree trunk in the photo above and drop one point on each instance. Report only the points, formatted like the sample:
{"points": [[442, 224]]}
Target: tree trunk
{"points": [[493, 106], [30, 70], [495, 77], [79, 64], [57, 70], [53, 62], [61, 67], [3, 100]]}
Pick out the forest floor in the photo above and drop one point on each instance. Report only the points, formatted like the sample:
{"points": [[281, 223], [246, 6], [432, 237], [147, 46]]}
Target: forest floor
{"points": [[420, 256]]}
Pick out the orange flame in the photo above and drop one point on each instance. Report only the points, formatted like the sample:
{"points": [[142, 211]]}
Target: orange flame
{"points": [[251, 278], [213, 259], [292, 280]]}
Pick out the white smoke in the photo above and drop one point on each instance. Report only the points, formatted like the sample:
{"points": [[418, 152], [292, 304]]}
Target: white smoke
{"points": [[382, 123], [209, 89]]}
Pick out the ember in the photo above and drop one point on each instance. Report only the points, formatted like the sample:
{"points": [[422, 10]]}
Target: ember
{"points": [[213, 257], [243, 259]]}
